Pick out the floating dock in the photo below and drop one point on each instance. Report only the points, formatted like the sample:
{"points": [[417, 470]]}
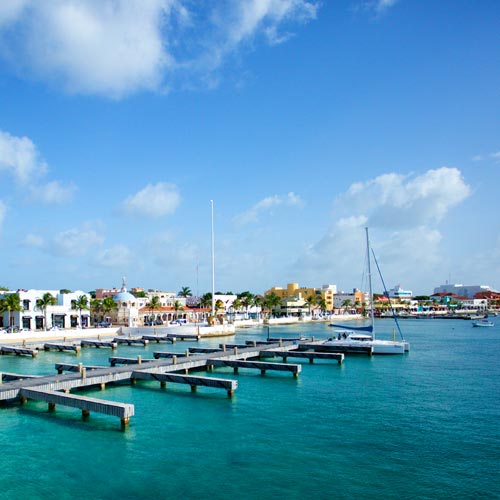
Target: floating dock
{"points": [[131, 341], [160, 338]]}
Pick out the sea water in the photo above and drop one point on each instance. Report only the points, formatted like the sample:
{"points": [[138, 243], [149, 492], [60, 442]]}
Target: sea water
{"points": [[424, 425]]}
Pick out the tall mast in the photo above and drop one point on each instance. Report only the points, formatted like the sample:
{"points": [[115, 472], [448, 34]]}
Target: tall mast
{"points": [[372, 320], [213, 260]]}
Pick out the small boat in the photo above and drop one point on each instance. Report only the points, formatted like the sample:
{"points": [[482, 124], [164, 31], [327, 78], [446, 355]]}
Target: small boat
{"points": [[483, 323]]}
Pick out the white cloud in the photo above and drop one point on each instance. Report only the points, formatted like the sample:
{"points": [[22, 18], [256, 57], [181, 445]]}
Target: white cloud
{"points": [[117, 47], [53, 192], [398, 201], [20, 157], [265, 205], [477, 158], [403, 213], [76, 242], [118, 257], [3, 210], [11, 10], [155, 200], [34, 240], [495, 156], [382, 5]]}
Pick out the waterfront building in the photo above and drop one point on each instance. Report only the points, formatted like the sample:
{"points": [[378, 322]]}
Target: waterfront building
{"points": [[351, 300], [61, 315], [326, 293], [398, 293], [468, 291]]}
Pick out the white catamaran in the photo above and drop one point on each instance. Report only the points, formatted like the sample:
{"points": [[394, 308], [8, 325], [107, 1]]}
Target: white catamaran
{"points": [[350, 341]]}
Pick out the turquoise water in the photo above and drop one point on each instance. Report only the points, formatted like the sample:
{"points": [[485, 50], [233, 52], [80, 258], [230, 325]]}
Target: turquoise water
{"points": [[422, 425]]}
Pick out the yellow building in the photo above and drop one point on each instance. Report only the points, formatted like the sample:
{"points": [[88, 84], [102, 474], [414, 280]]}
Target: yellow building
{"points": [[326, 293]]}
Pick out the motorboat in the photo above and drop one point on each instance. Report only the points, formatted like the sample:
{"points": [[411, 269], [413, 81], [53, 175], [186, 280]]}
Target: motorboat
{"points": [[483, 323]]}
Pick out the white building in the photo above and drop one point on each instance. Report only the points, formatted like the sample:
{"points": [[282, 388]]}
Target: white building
{"points": [[398, 293], [463, 290], [61, 315]]}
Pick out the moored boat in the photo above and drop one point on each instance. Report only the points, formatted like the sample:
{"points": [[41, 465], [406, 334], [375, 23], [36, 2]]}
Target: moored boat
{"points": [[483, 323]]}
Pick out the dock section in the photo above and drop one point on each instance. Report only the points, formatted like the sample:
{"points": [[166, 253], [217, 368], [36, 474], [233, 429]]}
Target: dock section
{"points": [[121, 410], [18, 351]]}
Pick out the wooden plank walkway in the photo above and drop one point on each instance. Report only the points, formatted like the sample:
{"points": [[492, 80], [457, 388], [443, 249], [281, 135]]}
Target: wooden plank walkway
{"points": [[53, 346], [67, 367], [18, 351], [258, 365], [218, 383], [99, 343], [160, 338], [121, 410], [167, 355], [203, 350], [9, 377], [159, 367], [115, 360], [131, 341], [311, 356]]}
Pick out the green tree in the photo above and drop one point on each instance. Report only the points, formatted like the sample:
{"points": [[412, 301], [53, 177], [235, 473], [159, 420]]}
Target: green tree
{"points": [[153, 304], [11, 303], [95, 308], [64, 290], [185, 292], [246, 299], [44, 303], [108, 305], [177, 307], [271, 302], [219, 305], [346, 304], [206, 300], [310, 301], [80, 304]]}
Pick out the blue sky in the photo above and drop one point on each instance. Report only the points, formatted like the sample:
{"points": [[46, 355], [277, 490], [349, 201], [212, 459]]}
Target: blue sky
{"points": [[303, 120]]}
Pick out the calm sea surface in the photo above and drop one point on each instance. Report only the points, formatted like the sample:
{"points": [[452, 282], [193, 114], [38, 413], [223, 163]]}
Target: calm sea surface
{"points": [[422, 425]]}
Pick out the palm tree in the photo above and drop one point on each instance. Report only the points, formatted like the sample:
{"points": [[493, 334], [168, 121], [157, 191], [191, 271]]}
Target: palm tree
{"points": [[185, 292], [246, 299], [272, 301], [79, 304], [322, 304], [46, 301], [310, 301], [206, 300], [153, 304], [219, 305], [346, 304], [95, 308], [177, 307], [108, 305], [11, 303]]}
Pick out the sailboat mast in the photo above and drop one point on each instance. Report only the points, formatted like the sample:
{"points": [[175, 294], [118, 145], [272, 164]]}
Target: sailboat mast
{"points": [[213, 260], [372, 318]]}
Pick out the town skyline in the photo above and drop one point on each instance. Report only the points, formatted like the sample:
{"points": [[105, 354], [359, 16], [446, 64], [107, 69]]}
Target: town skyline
{"points": [[304, 121]]}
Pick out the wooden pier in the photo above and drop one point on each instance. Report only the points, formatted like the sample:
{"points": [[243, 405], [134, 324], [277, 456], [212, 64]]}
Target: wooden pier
{"points": [[258, 365], [66, 367], [218, 383], [115, 360], [168, 355], [121, 410], [49, 388], [160, 338], [311, 356], [18, 351], [52, 346], [131, 341], [9, 377], [99, 343], [203, 350]]}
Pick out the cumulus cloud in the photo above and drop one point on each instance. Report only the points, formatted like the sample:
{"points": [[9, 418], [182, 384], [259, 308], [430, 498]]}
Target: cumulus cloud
{"points": [[403, 212], [20, 157], [265, 205], [155, 200], [395, 200], [117, 257], [75, 242], [117, 47], [53, 192]]}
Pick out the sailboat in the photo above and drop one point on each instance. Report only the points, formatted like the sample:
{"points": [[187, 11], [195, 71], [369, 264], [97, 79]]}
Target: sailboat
{"points": [[355, 340]]}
